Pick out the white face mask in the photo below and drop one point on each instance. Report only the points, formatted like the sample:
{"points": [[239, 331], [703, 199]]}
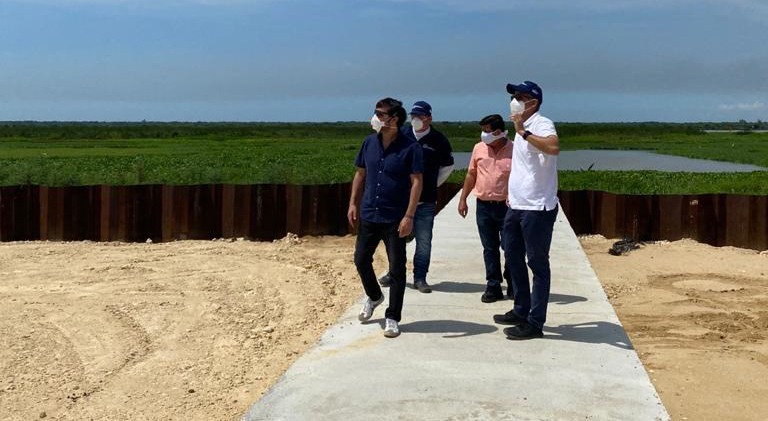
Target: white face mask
{"points": [[417, 124], [517, 107], [489, 138], [376, 124]]}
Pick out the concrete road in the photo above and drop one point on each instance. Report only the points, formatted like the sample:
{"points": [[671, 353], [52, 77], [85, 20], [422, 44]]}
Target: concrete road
{"points": [[451, 361]]}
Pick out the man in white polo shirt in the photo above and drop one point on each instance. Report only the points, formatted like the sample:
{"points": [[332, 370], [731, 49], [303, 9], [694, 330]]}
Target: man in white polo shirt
{"points": [[533, 206]]}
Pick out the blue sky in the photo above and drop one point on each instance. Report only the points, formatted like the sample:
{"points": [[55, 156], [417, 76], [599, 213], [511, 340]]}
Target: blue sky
{"points": [[327, 60]]}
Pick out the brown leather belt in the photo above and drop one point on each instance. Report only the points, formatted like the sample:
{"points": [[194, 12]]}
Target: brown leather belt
{"points": [[494, 202]]}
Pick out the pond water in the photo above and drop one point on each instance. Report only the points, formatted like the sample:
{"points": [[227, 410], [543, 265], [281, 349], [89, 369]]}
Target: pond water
{"points": [[630, 161]]}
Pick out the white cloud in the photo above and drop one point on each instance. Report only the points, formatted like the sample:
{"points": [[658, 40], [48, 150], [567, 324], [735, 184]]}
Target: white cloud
{"points": [[143, 2], [744, 106], [753, 8], [750, 8], [472, 4]]}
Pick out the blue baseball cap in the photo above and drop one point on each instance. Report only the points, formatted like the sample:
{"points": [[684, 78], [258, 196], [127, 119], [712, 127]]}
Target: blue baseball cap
{"points": [[527, 87], [421, 108]]}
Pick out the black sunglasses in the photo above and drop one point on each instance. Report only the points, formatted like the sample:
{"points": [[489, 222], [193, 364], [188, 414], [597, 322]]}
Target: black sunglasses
{"points": [[521, 97]]}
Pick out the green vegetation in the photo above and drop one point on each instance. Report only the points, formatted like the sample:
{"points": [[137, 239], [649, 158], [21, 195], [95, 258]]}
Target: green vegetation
{"points": [[669, 139], [469, 130], [177, 153], [657, 182], [311, 153], [746, 148], [176, 161]]}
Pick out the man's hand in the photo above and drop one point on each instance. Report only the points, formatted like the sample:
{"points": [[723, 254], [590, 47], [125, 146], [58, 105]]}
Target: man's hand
{"points": [[352, 215], [463, 208], [406, 226], [518, 120]]}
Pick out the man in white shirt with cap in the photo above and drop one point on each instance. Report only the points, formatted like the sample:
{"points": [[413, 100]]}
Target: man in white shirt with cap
{"points": [[533, 207]]}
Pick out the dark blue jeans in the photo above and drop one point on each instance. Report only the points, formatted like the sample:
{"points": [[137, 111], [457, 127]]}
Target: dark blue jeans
{"points": [[529, 233], [369, 235], [423, 221], [490, 225]]}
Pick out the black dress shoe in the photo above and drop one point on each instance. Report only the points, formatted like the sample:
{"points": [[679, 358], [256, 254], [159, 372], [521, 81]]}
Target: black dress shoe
{"points": [[385, 281], [492, 294], [422, 286], [523, 331], [508, 318]]}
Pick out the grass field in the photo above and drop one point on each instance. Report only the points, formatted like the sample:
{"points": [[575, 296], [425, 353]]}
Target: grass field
{"points": [[176, 161], [313, 153]]}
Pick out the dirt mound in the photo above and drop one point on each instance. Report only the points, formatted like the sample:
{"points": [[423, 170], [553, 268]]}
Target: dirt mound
{"points": [[698, 316], [183, 330]]}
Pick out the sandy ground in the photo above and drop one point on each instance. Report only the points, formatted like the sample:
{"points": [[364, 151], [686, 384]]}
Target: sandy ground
{"points": [[174, 331], [698, 317], [201, 329]]}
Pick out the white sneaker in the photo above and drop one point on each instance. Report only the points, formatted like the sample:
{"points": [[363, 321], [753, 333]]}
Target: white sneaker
{"points": [[367, 311], [391, 330]]}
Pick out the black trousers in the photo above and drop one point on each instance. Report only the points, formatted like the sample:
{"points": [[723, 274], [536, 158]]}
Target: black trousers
{"points": [[368, 237]]}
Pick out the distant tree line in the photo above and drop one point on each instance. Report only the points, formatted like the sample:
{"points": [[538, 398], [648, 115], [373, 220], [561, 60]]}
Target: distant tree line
{"points": [[163, 130]]}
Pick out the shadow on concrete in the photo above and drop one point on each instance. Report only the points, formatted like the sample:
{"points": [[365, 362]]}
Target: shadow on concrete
{"points": [[466, 287], [381, 322], [590, 332], [455, 328], [459, 287], [563, 299]]}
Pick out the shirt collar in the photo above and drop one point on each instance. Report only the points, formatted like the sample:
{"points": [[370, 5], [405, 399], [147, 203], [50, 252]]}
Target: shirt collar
{"points": [[530, 120], [399, 138], [490, 148], [422, 134]]}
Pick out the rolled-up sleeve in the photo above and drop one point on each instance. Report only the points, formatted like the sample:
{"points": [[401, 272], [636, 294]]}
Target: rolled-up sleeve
{"points": [[544, 128]]}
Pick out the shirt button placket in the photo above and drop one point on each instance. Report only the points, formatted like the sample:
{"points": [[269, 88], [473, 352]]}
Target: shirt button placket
{"points": [[378, 185]]}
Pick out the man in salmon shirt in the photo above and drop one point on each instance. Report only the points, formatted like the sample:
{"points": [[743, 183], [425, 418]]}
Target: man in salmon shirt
{"points": [[488, 175]]}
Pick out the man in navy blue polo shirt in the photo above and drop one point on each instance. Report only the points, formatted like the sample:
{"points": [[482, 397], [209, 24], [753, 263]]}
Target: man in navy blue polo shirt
{"points": [[389, 167], [438, 165]]}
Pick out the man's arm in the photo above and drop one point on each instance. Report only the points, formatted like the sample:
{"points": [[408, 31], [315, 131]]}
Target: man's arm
{"points": [[416, 186], [550, 145], [446, 161], [357, 189], [443, 173], [469, 184], [406, 225]]}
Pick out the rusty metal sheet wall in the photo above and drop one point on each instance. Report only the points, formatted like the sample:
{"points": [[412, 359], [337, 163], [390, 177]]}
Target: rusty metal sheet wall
{"points": [[716, 219], [270, 211], [167, 213]]}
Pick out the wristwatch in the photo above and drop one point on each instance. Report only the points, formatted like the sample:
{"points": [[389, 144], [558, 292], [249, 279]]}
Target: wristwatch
{"points": [[526, 134]]}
